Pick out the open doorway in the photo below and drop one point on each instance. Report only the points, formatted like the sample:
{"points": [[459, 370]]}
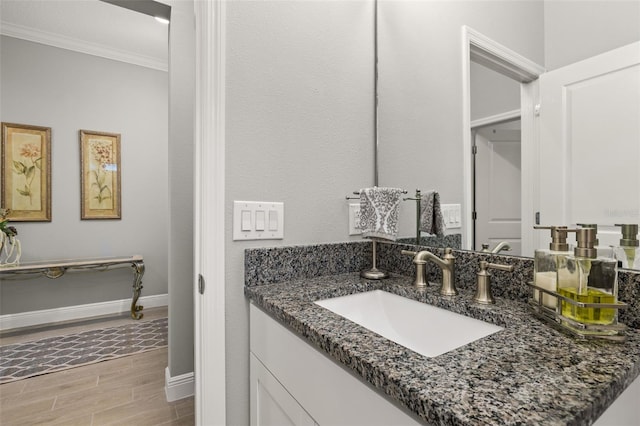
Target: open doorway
{"points": [[495, 127], [497, 192], [480, 52]]}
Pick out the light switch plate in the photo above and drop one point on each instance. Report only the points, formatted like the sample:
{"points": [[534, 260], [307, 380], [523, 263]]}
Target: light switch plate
{"points": [[452, 214], [354, 219], [266, 220]]}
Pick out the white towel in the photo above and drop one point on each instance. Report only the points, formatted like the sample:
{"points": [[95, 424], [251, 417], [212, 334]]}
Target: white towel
{"points": [[431, 220], [379, 212]]}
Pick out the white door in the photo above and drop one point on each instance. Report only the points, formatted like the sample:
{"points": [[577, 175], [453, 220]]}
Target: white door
{"points": [[497, 186], [590, 142]]}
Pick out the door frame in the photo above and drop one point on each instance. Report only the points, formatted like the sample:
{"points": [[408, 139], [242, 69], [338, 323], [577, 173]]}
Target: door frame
{"points": [[481, 49], [209, 212]]}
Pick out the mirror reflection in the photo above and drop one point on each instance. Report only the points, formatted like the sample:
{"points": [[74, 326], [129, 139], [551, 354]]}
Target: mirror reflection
{"points": [[429, 120]]}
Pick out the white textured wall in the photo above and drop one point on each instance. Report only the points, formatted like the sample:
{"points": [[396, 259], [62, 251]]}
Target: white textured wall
{"points": [[68, 91], [577, 30], [420, 85], [299, 130]]}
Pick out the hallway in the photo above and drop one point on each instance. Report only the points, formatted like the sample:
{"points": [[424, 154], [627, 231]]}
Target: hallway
{"points": [[126, 390]]}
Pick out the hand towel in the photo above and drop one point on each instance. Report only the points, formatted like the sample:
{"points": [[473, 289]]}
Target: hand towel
{"points": [[431, 220], [379, 212]]}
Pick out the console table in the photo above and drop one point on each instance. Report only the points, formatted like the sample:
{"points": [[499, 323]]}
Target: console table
{"points": [[57, 268]]}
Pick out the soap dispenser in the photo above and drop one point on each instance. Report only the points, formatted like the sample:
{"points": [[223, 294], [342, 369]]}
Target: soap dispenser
{"points": [[628, 253], [547, 262], [587, 278], [604, 251]]}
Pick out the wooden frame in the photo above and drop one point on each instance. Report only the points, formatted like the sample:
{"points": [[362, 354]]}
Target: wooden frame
{"points": [[100, 175], [26, 172]]}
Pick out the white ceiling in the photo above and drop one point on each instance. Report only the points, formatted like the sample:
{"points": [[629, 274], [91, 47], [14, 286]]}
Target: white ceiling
{"points": [[90, 26]]}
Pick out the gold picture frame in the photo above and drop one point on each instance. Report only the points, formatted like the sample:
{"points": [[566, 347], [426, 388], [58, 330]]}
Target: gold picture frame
{"points": [[100, 175], [26, 172]]}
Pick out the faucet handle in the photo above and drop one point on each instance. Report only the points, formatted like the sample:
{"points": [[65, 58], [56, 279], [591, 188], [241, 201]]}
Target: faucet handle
{"points": [[483, 292], [409, 252], [507, 268]]}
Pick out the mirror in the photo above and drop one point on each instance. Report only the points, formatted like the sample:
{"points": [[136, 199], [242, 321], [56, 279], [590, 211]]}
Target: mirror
{"points": [[420, 83]]}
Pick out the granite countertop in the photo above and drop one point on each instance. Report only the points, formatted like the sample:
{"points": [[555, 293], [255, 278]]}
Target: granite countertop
{"points": [[528, 373]]}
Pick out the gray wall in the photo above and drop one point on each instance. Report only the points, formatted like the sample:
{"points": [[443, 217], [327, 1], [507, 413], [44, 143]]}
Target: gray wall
{"points": [[420, 86], [576, 30], [68, 91], [181, 164], [299, 130], [491, 92]]}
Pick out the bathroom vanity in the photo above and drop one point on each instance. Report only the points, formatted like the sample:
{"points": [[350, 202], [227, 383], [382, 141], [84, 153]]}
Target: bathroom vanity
{"points": [[313, 366]]}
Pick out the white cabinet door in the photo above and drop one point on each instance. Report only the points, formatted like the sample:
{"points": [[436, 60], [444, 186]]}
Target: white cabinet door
{"points": [[271, 404], [326, 390], [590, 142]]}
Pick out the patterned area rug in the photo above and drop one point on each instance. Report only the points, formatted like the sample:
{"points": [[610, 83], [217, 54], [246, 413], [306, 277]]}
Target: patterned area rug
{"points": [[22, 360]]}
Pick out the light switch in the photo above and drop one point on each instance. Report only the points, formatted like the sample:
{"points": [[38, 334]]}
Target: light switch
{"points": [[246, 220], [273, 220], [259, 220], [452, 215]]}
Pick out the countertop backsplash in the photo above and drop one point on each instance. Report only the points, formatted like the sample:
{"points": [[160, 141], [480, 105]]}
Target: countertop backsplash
{"points": [[278, 264]]}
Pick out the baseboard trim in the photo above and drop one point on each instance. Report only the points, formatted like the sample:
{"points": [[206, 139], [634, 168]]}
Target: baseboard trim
{"points": [[178, 387], [67, 313]]}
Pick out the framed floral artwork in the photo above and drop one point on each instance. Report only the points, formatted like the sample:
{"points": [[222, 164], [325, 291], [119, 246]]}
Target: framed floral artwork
{"points": [[26, 172], [100, 175]]}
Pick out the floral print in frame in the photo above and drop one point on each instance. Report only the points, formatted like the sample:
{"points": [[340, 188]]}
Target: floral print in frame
{"points": [[26, 172], [100, 175]]}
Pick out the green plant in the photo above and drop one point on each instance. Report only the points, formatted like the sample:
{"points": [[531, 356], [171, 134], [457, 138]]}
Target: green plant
{"points": [[9, 231]]}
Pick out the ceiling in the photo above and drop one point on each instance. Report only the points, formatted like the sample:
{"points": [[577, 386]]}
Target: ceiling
{"points": [[89, 26]]}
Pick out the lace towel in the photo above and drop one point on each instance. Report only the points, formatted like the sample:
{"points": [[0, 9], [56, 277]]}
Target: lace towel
{"points": [[379, 212]]}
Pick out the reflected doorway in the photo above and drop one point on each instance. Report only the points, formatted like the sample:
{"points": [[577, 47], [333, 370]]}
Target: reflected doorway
{"points": [[497, 186]]}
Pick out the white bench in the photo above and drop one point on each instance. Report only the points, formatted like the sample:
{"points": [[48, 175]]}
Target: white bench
{"points": [[56, 268]]}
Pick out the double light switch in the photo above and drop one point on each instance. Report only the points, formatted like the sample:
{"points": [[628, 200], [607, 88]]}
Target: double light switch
{"points": [[258, 220]]}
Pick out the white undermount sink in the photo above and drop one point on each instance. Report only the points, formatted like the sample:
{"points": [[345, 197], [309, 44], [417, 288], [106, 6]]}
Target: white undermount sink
{"points": [[423, 328]]}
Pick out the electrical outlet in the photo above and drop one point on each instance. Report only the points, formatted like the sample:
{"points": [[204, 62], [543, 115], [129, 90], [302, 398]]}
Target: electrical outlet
{"points": [[354, 219]]}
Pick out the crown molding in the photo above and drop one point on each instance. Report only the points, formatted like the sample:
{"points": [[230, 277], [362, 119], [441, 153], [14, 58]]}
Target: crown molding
{"points": [[81, 46]]}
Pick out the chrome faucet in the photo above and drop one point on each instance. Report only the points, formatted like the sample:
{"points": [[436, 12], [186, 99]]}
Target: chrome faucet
{"points": [[446, 264]]}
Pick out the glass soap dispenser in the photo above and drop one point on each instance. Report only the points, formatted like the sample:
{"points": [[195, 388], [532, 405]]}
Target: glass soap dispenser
{"points": [[606, 251], [547, 262], [628, 253], [587, 278]]}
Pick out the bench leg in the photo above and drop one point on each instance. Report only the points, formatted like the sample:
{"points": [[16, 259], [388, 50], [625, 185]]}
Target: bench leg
{"points": [[138, 272]]}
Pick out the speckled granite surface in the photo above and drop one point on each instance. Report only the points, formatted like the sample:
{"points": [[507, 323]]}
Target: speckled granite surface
{"points": [[273, 265], [527, 373], [452, 240]]}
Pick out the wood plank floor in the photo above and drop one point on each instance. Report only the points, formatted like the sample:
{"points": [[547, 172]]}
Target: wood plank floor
{"points": [[127, 390]]}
